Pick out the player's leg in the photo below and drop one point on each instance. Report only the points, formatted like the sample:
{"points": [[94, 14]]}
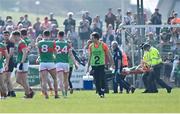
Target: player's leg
{"points": [[11, 91], [66, 77], [50, 86], [52, 71], [43, 75], [21, 78], [9, 84], [60, 81], [69, 80], [60, 76], [66, 84], [2, 87]]}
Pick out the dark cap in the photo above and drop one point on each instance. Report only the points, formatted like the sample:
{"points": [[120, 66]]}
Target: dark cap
{"points": [[156, 9], [144, 45]]}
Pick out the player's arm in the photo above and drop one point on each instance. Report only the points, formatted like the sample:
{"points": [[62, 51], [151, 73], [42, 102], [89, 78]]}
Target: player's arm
{"points": [[77, 58], [72, 57], [7, 59], [38, 53], [108, 53], [24, 50], [89, 58]]}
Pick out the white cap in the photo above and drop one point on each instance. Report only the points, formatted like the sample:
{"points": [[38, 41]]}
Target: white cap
{"points": [[70, 13]]}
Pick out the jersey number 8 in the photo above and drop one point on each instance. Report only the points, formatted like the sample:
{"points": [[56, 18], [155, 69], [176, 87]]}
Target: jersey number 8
{"points": [[44, 48]]}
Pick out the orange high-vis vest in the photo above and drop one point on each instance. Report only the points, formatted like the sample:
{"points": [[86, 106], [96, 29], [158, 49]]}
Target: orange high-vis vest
{"points": [[124, 59], [175, 21]]}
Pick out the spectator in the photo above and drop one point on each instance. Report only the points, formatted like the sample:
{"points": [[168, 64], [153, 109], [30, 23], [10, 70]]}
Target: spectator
{"points": [[73, 36], [46, 25], [176, 50], [128, 19], [54, 31], [9, 22], [109, 35], [88, 17], [151, 40], [150, 29], [2, 23], [118, 18], [21, 19], [69, 22], [110, 18], [37, 27], [26, 23], [31, 34], [98, 22], [175, 20], [175, 30], [52, 20], [170, 18], [165, 38], [156, 20], [96, 29], [9, 28], [84, 30], [20, 26], [1, 33]]}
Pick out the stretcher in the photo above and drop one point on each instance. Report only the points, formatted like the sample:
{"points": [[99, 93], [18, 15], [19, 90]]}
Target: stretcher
{"points": [[134, 70]]}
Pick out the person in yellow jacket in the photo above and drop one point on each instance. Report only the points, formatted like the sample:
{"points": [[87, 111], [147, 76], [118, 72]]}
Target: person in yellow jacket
{"points": [[153, 59]]}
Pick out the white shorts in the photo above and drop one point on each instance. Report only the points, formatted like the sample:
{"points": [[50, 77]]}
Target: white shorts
{"points": [[47, 66], [62, 67], [1, 70], [25, 67]]}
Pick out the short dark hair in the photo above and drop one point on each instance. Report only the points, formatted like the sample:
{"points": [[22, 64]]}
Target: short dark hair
{"points": [[46, 33], [61, 33], [96, 35], [16, 33], [6, 32], [24, 32]]}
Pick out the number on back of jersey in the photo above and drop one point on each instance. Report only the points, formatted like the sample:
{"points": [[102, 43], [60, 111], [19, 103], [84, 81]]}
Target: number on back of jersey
{"points": [[61, 50], [44, 48]]}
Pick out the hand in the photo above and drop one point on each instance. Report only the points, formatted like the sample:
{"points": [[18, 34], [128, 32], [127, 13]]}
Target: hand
{"points": [[21, 66], [6, 67], [37, 61], [76, 66], [112, 66]]}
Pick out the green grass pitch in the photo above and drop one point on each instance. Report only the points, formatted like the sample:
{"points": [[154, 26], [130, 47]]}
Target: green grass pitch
{"points": [[89, 102]]}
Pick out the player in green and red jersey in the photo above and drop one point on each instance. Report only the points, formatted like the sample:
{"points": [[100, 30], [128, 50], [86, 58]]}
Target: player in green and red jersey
{"points": [[63, 51], [24, 36], [46, 49], [39, 38], [3, 55], [22, 66]]}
